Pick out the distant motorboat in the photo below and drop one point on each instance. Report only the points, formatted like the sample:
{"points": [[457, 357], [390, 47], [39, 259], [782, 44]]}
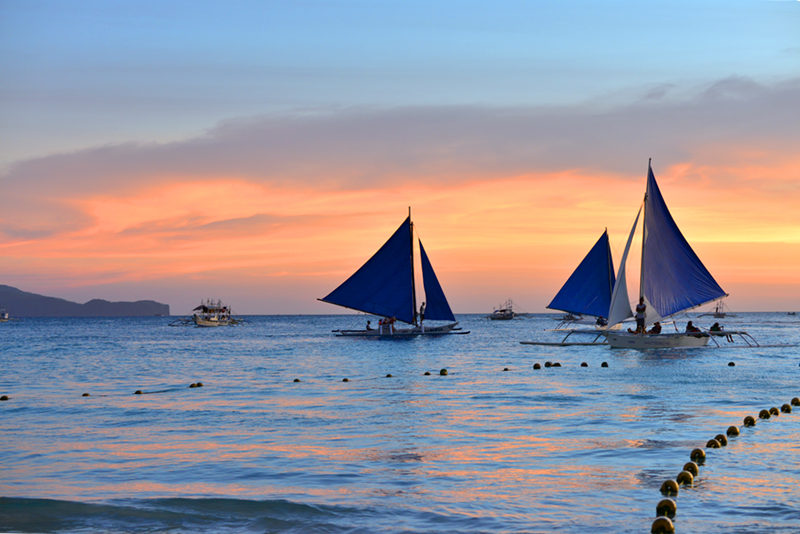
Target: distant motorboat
{"points": [[672, 279], [719, 312], [211, 314], [504, 312]]}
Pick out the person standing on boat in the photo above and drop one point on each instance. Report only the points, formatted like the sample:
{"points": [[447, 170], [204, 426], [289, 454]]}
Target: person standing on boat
{"points": [[421, 314], [640, 315]]}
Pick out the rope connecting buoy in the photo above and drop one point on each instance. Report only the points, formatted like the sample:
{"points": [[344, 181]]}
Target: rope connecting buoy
{"points": [[443, 372], [692, 468], [732, 431], [713, 444], [584, 364], [4, 398], [774, 411], [749, 421], [537, 366], [666, 508], [698, 456], [786, 408], [137, 392], [662, 525], [604, 364], [795, 401], [723, 441], [763, 414], [685, 478], [85, 395], [669, 487]]}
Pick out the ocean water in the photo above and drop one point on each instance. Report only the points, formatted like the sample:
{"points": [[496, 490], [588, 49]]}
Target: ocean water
{"points": [[482, 449]]}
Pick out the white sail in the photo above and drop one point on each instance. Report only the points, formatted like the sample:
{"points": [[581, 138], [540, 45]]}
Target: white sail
{"points": [[620, 308]]}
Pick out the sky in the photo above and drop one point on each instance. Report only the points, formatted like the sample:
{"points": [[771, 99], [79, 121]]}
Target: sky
{"points": [[260, 152]]}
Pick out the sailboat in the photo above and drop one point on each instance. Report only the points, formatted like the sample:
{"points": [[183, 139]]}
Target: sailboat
{"points": [[672, 278], [385, 286], [588, 289], [720, 312]]}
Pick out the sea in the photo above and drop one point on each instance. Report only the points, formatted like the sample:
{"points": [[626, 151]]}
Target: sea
{"points": [[296, 430]]}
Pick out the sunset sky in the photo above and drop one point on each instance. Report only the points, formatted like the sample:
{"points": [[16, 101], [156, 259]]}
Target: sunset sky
{"points": [[260, 152]]}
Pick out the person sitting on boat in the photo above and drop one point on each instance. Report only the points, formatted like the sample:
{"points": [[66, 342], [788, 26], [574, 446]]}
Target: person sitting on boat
{"points": [[691, 329], [369, 326], [640, 315], [601, 321], [716, 327], [656, 329]]}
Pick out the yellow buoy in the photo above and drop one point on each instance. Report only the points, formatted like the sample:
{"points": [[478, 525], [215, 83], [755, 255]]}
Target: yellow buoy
{"points": [[548, 364], [537, 366], [137, 392], [192, 385], [666, 507], [389, 375], [723, 441], [763, 414], [427, 373], [698, 456], [774, 411], [749, 421], [297, 380], [584, 364], [732, 431], [731, 364], [345, 380], [692, 468], [199, 384], [85, 395], [786, 408], [713, 444], [443, 372], [669, 487], [684, 478], [662, 525], [795, 401], [604, 364]]}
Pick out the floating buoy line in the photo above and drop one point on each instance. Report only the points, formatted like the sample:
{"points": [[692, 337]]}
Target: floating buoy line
{"points": [[667, 508]]}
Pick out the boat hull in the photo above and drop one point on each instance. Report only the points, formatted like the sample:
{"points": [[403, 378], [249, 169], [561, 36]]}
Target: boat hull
{"points": [[404, 332], [207, 323], [626, 340]]}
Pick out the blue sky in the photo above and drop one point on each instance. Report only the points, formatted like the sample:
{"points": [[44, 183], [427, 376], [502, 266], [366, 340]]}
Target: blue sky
{"points": [[81, 74]]}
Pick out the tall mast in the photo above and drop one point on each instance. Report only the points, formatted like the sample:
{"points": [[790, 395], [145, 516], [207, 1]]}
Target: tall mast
{"points": [[644, 228], [411, 250]]}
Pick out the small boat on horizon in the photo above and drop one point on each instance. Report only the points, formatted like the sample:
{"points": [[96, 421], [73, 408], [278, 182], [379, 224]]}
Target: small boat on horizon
{"points": [[504, 312], [3, 315], [720, 312], [212, 314], [385, 286]]}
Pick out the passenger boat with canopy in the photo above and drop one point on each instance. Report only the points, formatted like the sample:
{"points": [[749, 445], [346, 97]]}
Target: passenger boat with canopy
{"points": [[672, 278], [385, 286]]}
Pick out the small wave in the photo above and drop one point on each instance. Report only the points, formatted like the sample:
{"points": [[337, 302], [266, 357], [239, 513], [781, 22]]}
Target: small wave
{"points": [[169, 514]]}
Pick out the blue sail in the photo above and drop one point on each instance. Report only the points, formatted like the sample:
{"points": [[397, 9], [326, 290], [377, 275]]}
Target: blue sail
{"points": [[385, 284], [436, 306], [588, 290], [673, 277]]}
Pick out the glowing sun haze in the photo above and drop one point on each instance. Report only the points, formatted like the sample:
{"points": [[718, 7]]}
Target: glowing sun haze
{"points": [[264, 168]]}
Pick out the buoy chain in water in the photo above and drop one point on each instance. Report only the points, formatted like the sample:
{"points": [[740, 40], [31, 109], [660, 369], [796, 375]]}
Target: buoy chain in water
{"points": [[667, 508]]}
